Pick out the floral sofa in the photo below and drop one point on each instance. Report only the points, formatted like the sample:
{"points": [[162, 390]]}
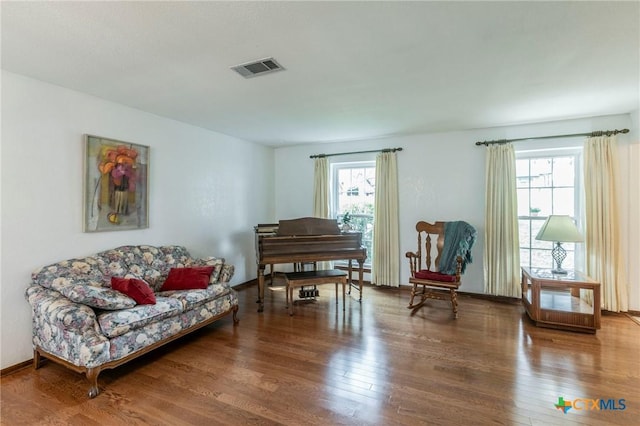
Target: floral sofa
{"points": [[81, 322]]}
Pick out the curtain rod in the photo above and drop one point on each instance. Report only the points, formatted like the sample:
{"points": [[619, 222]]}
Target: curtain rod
{"points": [[356, 152], [592, 134]]}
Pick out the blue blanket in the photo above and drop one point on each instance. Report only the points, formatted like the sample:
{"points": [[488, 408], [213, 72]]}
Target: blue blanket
{"points": [[459, 237]]}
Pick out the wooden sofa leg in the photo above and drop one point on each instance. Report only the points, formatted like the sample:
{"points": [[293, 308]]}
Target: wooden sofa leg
{"points": [[92, 376], [37, 360]]}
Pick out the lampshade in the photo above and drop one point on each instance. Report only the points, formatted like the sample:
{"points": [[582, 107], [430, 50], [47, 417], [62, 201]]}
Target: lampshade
{"points": [[560, 228]]}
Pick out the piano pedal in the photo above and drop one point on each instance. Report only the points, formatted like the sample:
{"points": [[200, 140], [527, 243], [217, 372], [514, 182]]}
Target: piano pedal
{"points": [[308, 293]]}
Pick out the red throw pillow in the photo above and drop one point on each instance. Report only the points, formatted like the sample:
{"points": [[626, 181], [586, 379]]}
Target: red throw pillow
{"points": [[188, 278], [135, 288]]}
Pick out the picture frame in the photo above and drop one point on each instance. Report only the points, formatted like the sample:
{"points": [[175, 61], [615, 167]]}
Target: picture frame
{"points": [[116, 185]]}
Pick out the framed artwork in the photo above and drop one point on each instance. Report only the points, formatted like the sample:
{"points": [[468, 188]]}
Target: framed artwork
{"points": [[116, 185]]}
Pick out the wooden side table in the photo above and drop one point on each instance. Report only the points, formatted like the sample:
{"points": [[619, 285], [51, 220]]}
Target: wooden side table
{"points": [[554, 300]]}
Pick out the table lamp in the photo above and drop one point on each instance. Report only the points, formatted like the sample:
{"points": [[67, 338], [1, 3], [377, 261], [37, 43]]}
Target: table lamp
{"points": [[560, 229]]}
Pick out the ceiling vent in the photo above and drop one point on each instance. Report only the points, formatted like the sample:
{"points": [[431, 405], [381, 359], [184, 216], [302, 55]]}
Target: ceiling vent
{"points": [[256, 68]]}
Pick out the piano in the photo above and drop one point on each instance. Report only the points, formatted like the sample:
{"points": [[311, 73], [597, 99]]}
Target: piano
{"points": [[304, 240]]}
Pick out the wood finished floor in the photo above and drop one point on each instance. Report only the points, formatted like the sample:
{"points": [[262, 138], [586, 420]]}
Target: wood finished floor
{"points": [[373, 364]]}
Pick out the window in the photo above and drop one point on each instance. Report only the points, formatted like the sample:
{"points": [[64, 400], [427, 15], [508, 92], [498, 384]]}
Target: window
{"points": [[353, 191], [546, 185]]}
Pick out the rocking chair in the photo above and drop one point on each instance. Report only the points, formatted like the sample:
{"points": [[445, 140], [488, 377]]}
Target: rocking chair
{"points": [[439, 277]]}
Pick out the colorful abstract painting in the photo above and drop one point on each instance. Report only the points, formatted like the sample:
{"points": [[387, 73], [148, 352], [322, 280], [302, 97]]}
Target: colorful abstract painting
{"points": [[116, 185]]}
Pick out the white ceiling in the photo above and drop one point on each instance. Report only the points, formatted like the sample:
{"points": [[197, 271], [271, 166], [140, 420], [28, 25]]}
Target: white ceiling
{"points": [[354, 70]]}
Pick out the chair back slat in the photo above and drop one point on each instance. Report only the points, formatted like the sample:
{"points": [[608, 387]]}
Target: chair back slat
{"points": [[430, 230]]}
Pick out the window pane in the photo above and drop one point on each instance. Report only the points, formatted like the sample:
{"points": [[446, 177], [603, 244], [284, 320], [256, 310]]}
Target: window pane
{"points": [[541, 199], [523, 202], [535, 228], [541, 258], [563, 201], [545, 186], [354, 193], [563, 171], [540, 172], [370, 181], [522, 173], [525, 235], [524, 257], [569, 261]]}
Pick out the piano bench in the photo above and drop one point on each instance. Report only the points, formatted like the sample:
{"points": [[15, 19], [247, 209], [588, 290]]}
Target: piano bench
{"points": [[306, 278]]}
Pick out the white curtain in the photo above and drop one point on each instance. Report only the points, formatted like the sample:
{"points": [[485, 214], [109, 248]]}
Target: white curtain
{"points": [[321, 188], [386, 245], [501, 242], [604, 257], [321, 196]]}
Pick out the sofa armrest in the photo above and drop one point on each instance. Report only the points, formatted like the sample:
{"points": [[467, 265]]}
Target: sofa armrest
{"points": [[57, 310], [222, 273], [226, 273]]}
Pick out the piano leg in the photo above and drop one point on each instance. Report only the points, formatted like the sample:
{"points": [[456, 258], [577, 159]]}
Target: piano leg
{"points": [[360, 277], [349, 279], [261, 287]]}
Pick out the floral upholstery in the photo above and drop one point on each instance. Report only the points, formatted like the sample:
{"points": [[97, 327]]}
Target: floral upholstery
{"points": [[95, 296], [116, 323], [209, 309], [66, 329], [145, 262], [192, 298], [88, 270], [210, 261], [60, 311], [79, 318], [83, 281], [152, 264], [226, 273], [137, 339], [175, 256]]}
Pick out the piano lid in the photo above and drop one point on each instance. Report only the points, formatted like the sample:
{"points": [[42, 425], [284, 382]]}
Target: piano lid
{"points": [[308, 226]]}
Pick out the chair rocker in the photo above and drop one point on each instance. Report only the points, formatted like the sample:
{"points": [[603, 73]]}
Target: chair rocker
{"points": [[435, 285]]}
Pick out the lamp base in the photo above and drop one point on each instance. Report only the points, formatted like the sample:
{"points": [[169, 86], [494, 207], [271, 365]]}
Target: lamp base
{"points": [[558, 253]]}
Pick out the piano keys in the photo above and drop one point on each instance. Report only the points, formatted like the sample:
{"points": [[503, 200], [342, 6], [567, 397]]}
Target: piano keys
{"points": [[306, 240]]}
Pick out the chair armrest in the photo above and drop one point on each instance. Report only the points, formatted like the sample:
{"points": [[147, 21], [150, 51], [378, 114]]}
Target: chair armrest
{"points": [[411, 254], [414, 261]]}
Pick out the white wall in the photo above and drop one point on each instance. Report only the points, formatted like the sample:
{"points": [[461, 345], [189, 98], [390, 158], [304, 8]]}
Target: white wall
{"points": [[207, 190], [441, 177]]}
